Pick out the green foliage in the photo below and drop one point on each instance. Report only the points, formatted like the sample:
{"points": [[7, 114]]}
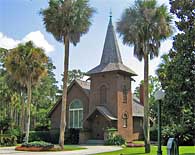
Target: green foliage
{"points": [[153, 86], [75, 74], [144, 25], [110, 130], [26, 62], [13, 97], [44, 97], [8, 140], [71, 136], [154, 134], [38, 144], [182, 134], [39, 136], [40, 127], [5, 124], [17, 133], [115, 140], [177, 76], [68, 18]]}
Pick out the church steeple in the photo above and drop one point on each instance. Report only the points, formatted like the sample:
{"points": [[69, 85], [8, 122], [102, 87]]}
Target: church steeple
{"points": [[111, 52], [111, 58]]}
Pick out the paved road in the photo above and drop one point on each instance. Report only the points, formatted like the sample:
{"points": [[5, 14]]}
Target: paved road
{"points": [[88, 151]]}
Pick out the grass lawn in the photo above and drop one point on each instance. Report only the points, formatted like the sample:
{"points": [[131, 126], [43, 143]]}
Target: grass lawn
{"points": [[183, 150], [72, 147]]}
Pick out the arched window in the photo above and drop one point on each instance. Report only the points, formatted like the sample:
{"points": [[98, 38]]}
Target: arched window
{"points": [[125, 92], [76, 114], [103, 94], [125, 118]]}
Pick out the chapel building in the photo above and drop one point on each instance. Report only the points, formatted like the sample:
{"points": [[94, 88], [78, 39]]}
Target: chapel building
{"points": [[105, 100]]}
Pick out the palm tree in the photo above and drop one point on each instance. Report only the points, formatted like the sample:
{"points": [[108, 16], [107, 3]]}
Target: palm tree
{"points": [[26, 64], [144, 25], [67, 20]]}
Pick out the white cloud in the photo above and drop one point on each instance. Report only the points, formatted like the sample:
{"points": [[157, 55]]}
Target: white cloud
{"points": [[39, 40], [7, 43], [36, 37]]}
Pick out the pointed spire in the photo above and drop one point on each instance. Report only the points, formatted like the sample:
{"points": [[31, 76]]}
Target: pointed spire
{"points": [[111, 58], [111, 52]]}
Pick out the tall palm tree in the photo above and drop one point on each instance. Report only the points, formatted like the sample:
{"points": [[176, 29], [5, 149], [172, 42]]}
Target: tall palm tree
{"points": [[27, 64], [67, 20], [144, 25]]}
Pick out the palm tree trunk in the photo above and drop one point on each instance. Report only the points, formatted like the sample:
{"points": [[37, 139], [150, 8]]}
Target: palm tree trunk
{"points": [[29, 93], [64, 95], [146, 106], [22, 113]]}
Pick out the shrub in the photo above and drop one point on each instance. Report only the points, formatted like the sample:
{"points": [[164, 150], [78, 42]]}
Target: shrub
{"points": [[154, 134], [8, 140], [39, 136], [38, 144], [71, 136], [5, 124], [115, 140], [42, 128], [182, 134], [54, 134], [16, 132]]}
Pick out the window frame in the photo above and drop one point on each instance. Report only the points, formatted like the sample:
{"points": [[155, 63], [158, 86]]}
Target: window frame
{"points": [[125, 120], [73, 114]]}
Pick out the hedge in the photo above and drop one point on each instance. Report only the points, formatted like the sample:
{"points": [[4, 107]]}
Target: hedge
{"points": [[8, 140], [71, 136]]}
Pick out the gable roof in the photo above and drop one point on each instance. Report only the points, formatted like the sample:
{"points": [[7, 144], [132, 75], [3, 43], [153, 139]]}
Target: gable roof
{"points": [[85, 87], [111, 58], [104, 111]]}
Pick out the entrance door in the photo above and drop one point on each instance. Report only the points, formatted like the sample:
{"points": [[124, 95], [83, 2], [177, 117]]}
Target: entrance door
{"points": [[99, 124]]}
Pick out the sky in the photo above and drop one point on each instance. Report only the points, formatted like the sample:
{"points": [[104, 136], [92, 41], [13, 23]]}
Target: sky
{"points": [[20, 21]]}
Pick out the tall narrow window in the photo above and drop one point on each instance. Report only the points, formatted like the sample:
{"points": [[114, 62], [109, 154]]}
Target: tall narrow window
{"points": [[103, 94], [125, 92], [125, 118], [76, 114]]}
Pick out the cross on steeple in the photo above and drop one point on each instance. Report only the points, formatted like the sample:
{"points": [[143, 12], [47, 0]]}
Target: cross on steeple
{"points": [[110, 15]]}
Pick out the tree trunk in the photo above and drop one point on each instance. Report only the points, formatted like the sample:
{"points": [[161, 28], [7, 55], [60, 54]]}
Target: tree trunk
{"points": [[11, 114], [22, 113], [146, 106], [29, 93], [64, 95]]}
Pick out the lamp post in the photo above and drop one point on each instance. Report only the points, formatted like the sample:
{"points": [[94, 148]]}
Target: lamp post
{"points": [[159, 96]]}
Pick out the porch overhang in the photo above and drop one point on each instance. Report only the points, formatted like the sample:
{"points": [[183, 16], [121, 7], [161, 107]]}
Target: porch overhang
{"points": [[104, 111]]}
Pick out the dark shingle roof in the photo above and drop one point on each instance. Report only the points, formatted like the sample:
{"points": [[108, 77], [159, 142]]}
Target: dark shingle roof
{"points": [[104, 111], [111, 58], [85, 85]]}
